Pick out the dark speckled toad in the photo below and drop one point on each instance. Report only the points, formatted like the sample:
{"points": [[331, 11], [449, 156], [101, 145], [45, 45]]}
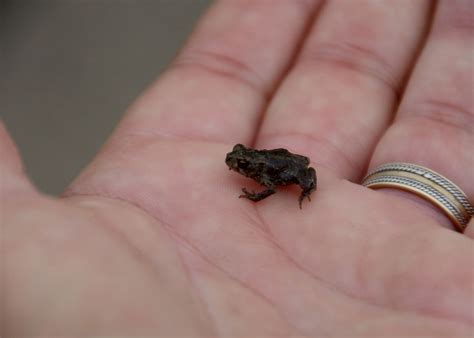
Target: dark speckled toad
{"points": [[272, 168]]}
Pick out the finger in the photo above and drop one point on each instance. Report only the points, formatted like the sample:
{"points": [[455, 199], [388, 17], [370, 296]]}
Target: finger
{"points": [[219, 83], [214, 92], [434, 126], [12, 176], [339, 97]]}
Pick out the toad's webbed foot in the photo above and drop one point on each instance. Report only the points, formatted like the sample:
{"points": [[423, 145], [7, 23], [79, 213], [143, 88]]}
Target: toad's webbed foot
{"points": [[253, 196]]}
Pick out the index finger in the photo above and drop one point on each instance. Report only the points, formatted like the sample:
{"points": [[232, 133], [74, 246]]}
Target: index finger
{"points": [[219, 83]]}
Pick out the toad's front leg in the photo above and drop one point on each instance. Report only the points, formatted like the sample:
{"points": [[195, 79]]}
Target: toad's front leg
{"points": [[253, 196]]}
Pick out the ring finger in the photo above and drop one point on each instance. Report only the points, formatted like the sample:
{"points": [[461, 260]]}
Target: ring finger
{"points": [[434, 126]]}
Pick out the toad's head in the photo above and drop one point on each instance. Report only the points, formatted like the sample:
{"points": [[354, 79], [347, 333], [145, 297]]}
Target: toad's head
{"points": [[239, 159]]}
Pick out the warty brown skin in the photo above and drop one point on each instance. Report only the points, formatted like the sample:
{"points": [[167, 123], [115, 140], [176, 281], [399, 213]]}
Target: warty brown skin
{"points": [[272, 168]]}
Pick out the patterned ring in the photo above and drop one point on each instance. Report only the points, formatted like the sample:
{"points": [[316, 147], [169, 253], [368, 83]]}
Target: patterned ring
{"points": [[427, 184]]}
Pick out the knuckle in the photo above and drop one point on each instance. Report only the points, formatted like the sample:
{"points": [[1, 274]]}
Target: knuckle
{"points": [[354, 57], [455, 16], [221, 64], [442, 112]]}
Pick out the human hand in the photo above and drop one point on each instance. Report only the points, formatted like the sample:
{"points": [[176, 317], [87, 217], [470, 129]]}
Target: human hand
{"points": [[152, 239]]}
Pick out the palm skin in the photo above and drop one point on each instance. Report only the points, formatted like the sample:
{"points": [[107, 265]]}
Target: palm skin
{"points": [[152, 239], [201, 262]]}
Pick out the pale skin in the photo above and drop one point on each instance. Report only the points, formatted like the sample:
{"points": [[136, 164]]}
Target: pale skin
{"points": [[151, 238]]}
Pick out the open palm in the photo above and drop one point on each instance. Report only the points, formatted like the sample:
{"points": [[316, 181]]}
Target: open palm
{"points": [[152, 239]]}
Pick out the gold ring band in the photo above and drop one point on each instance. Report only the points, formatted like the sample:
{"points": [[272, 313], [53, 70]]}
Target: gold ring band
{"points": [[427, 184]]}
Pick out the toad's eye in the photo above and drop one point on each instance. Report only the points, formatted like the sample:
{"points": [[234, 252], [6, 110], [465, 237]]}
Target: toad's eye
{"points": [[242, 164]]}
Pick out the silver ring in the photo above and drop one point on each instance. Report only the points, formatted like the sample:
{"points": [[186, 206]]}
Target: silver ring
{"points": [[427, 184]]}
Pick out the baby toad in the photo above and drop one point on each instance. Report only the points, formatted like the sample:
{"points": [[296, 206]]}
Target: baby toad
{"points": [[272, 168]]}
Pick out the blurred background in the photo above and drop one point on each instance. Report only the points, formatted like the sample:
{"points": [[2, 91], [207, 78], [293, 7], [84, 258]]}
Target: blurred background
{"points": [[70, 68]]}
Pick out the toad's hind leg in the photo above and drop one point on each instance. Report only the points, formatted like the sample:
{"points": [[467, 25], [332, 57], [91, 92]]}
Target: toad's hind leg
{"points": [[302, 197], [253, 196]]}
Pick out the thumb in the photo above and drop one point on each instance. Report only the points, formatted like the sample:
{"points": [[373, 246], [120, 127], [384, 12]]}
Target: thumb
{"points": [[13, 179]]}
